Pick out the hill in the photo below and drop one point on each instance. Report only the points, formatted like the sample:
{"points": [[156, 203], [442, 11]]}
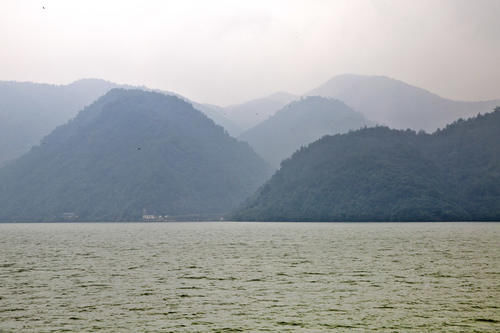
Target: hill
{"points": [[397, 104], [131, 150], [379, 174], [249, 114], [29, 111], [219, 116], [298, 124]]}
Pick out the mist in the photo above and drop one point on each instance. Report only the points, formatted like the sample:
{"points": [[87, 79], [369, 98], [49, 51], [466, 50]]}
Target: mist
{"points": [[154, 153], [227, 52]]}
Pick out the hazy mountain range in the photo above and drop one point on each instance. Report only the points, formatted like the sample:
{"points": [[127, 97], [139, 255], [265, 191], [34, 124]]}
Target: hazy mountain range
{"points": [[382, 174], [300, 123], [251, 113], [397, 104], [131, 150], [29, 111]]}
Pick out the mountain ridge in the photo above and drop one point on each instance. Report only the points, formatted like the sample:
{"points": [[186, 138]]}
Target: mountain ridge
{"points": [[299, 123], [29, 110], [128, 151], [252, 112], [382, 174], [397, 104]]}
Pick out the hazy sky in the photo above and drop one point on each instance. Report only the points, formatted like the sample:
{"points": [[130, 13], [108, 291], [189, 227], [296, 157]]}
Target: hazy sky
{"points": [[225, 52]]}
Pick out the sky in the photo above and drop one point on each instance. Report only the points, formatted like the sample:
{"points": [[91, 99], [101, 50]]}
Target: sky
{"points": [[227, 52]]}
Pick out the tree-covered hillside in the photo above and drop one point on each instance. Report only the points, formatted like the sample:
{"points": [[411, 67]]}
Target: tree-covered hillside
{"points": [[131, 150], [301, 123], [379, 174], [29, 111]]}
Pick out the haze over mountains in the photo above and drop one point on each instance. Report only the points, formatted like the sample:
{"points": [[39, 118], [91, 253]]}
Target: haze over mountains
{"points": [[397, 104], [298, 124], [219, 116], [381, 174], [136, 149], [29, 111], [131, 150], [251, 113]]}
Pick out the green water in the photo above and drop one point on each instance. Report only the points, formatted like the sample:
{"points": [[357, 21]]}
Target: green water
{"points": [[276, 277]]}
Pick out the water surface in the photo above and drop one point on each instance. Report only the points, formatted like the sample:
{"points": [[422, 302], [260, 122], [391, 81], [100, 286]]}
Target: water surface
{"points": [[276, 277]]}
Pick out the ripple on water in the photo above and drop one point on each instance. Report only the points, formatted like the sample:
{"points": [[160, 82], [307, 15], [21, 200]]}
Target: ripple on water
{"points": [[229, 277]]}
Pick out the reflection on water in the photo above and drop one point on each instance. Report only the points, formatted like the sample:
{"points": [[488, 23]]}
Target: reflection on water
{"points": [[250, 276]]}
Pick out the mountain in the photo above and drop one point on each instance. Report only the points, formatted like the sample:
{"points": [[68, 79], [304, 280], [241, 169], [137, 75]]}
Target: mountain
{"points": [[380, 174], [131, 150], [29, 111], [218, 115], [214, 112], [298, 124], [249, 114], [399, 105]]}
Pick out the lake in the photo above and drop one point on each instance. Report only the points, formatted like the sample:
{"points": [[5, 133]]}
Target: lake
{"points": [[226, 277]]}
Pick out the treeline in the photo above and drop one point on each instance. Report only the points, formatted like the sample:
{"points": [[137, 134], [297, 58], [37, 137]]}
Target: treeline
{"points": [[380, 174]]}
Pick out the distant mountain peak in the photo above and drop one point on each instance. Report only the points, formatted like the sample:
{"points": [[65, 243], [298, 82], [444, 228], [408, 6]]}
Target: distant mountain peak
{"points": [[300, 123], [249, 114], [383, 174], [91, 80], [396, 103]]}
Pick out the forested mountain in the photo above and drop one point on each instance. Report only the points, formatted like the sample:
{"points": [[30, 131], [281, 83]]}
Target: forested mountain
{"points": [[131, 150], [29, 111], [399, 105], [380, 174], [249, 114], [298, 124]]}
